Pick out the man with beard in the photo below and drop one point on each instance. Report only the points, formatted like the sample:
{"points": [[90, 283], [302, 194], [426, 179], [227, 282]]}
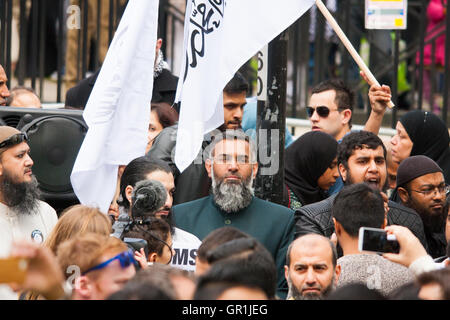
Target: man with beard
{"points": [[361, 159], [360, 205], [232, 167], [4, 92], [22, 214], [184, 244], [311, 268], [193, 183], [421, 186]]}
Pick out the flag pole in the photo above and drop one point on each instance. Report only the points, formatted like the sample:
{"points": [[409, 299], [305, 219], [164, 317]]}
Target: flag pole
{"points": [[359, 61]]}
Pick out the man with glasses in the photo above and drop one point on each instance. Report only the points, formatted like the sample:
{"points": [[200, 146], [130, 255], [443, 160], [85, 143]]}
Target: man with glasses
{"points": [[421, 186], [232, 167], [22, 214], [96, 266]]}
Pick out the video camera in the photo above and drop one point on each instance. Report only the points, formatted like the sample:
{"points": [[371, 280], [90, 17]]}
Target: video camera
{"points": [[147, 197]]}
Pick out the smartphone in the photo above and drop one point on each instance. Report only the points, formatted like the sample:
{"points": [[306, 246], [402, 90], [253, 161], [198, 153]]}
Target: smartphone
{"points": [[377, 240], [13, 270]]}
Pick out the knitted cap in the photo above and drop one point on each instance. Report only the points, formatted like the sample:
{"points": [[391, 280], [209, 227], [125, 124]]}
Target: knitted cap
{"points": [[6, 132], [414, 167]]}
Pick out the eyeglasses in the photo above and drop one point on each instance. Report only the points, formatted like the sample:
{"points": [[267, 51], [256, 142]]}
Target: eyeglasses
{"points": [[322, 111], [228, 159], [13, 140], [125, 258], [431, 190]]}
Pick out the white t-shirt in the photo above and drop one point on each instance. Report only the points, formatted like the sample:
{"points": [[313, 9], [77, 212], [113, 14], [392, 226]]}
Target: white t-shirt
{"points": [[15, 227], [185, 245]]}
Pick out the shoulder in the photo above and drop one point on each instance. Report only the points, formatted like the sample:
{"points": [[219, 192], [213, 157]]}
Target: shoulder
{"points": [[187, 206], [270, 206], [318, 208], [47, 212], [181, 235]]}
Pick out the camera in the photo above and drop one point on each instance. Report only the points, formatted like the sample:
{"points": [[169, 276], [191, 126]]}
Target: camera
{"points": [[148, 196]]}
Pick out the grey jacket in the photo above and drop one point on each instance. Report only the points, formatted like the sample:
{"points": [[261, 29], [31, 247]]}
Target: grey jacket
{"points": [[317, 218]]}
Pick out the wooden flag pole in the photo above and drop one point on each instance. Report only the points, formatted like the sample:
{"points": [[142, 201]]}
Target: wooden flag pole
{"points": [[359, 61]]}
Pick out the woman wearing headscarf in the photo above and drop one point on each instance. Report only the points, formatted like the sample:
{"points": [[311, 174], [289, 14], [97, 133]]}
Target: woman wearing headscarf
{"points": [[310, 168], [422, 133]]}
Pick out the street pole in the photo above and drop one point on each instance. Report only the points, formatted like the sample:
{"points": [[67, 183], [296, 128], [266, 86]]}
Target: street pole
{"points": [[271, 120]]}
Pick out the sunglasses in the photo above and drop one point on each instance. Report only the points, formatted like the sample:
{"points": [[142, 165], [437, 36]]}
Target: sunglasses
{"points": [[322, 111], [13, 140], [125, 258]]}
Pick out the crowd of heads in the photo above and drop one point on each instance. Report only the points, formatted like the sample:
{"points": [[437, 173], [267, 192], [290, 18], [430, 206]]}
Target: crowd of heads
{"points": [[230, 263]]}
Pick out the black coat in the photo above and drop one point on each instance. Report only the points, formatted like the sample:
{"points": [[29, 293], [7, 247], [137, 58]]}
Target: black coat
{"points": [[164, 90]]}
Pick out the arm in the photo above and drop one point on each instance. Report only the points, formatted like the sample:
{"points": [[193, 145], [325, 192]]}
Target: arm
{"points": [[43, 275], [412, 254], [379, 98]]}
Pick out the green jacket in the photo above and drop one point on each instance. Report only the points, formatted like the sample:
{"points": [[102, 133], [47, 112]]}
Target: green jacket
{"points": [[269, 223]]}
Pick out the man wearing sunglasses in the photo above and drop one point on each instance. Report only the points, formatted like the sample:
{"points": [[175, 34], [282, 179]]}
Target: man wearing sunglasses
{"points": [[96, 266], [421, 186], [22, 214], [331, 106], [4, 92]]}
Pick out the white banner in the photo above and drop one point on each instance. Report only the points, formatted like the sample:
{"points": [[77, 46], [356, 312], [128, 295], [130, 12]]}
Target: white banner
{"points": [[220, 36], [118, 110]]}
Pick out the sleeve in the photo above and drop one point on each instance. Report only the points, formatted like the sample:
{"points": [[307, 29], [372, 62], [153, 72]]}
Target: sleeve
{"points": [[163, 147], [305, 224]]}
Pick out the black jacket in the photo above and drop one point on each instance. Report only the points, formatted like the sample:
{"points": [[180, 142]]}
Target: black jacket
{"points": [[317, 218]]}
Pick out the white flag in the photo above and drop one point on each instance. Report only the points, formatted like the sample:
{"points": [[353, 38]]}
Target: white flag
{"points": [[118, 110], [219, 37]]}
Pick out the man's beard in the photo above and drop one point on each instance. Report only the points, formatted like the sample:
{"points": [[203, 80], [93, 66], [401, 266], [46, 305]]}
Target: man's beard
{"points": [[432, 222], [297, 295], [232, 197], [22, 197], [169, 219]]}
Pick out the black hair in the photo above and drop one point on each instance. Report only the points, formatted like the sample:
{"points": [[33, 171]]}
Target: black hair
{"points": [[237, 84], [356, 291], [358, 140], [440, 277], [137, 170], [140, 291], [358, 205], [252, 267], [218, 237], [345, 97]]}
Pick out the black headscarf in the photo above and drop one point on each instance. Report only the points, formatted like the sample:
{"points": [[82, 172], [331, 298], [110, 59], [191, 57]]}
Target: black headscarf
{"points": [[306, 160], [430, 137]]}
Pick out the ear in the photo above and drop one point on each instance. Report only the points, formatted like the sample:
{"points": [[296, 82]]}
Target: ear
{"points": [[343, 172], [403, 194], [255, 169], [337, 227], [152, 257], [346, 116], [338, 274], [158, 44], [208, 167], [128, 193], [286, 272], [83, 287], [384, 223]]}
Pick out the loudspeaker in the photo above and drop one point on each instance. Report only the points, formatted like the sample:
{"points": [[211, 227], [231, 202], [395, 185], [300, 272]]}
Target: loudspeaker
{"points": [[55, 137]]}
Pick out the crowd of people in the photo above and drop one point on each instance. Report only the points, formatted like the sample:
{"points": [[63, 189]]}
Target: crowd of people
{"points": [[203, 234]]}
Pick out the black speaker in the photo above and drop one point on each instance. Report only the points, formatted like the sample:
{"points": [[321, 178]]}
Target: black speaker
{"points": [[55, 137]]}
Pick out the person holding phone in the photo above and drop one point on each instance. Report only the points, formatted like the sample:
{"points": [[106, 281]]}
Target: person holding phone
{"points": [[357, 206]]}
